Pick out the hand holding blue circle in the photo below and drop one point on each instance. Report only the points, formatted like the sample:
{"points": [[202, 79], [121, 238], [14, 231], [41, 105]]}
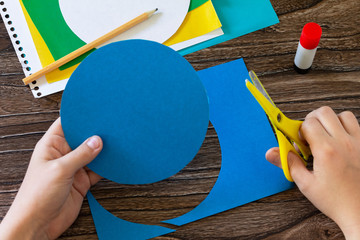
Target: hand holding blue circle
{"points": [[145, 101]]}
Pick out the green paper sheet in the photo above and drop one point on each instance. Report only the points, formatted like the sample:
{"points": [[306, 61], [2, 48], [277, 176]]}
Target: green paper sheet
{"points": [[196, 3], [48, 19]]}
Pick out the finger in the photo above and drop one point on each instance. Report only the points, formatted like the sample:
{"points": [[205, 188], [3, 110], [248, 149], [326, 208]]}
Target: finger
{"points": [[313, 132], [302, 139], [52, 140], [54, 137], [94, 177], [299, 173], [328, 118], [273, 156], [296, 147], [55, 129], [350, 123], [82, 155]]}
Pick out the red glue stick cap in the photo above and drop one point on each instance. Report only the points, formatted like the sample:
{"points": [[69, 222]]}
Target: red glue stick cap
{"points": [[310, 35]]}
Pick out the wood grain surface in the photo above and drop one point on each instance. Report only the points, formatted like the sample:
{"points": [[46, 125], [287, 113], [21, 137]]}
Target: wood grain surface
{"points": [[334, 81]]}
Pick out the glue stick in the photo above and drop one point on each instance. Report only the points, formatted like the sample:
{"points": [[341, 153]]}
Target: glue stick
{"points": [[309, 40]]}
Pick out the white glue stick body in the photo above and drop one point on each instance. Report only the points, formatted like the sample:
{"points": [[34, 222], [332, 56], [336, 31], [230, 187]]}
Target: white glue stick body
{"points": [[309, 40]]}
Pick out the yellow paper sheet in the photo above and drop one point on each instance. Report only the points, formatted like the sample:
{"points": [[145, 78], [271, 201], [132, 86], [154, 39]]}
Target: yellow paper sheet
{"points": [[198, 22], [44, 54]]}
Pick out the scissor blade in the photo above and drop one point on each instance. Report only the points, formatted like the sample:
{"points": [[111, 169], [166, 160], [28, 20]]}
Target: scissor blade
{"points": [[269, 108], [260, 87]]}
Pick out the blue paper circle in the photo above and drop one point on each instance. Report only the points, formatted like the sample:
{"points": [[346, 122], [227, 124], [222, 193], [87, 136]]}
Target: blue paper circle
{"points": [[147, 104]]}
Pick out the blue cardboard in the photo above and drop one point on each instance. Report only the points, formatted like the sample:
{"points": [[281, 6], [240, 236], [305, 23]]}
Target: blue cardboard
{"points": [[147, 104]]}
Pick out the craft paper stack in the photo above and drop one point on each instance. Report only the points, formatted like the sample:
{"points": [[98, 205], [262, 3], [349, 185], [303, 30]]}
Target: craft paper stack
{"points": [[43, 31], [50, 29], [200, 24]]}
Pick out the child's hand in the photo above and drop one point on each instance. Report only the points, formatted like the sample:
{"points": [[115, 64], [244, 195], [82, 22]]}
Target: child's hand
{"points": [[54, 187], [334, 184]]}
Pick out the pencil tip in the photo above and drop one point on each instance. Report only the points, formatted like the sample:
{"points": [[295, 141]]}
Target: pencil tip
{"points": [[152, 12]]}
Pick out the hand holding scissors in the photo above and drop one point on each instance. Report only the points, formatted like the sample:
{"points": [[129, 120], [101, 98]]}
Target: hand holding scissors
{"points": [[286, 130]]}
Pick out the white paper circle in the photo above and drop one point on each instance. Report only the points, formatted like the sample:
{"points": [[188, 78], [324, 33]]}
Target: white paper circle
{"points": [[90, 19]]}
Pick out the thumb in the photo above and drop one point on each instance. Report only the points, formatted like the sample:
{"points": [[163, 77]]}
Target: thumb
{"points": [[273, 156], [83, 154], [299, 173]]}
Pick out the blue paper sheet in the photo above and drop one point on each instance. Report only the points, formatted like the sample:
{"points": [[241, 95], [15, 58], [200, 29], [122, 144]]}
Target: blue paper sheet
{"points": [[238, 17], [245, 135]]}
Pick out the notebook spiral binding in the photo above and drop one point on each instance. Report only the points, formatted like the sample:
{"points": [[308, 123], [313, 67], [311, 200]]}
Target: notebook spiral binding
{"points": [[16, 41]]}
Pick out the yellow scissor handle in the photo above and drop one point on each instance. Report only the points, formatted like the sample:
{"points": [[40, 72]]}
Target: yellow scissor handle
{"points": [[279, 120], [291, 129], [285, 147], [282, 125]]}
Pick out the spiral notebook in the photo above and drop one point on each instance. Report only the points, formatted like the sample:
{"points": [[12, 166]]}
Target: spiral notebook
{"points": [[42, 37], [21, 38]]}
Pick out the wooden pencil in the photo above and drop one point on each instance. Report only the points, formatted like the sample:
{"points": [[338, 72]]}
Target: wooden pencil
{"points": [[89, 46]]}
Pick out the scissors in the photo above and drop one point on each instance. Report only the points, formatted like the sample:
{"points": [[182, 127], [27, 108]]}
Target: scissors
{"points": [[286, 129]]}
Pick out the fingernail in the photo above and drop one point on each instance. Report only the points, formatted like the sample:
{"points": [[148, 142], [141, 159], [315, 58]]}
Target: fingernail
{"points": [[93, 142]]}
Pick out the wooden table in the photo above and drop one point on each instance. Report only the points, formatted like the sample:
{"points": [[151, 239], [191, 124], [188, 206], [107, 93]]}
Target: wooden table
{"points": [[333, 81]]}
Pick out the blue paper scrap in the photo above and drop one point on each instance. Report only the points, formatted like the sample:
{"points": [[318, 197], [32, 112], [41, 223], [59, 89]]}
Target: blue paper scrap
{"points": [[110, 227], [238, 17]]}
